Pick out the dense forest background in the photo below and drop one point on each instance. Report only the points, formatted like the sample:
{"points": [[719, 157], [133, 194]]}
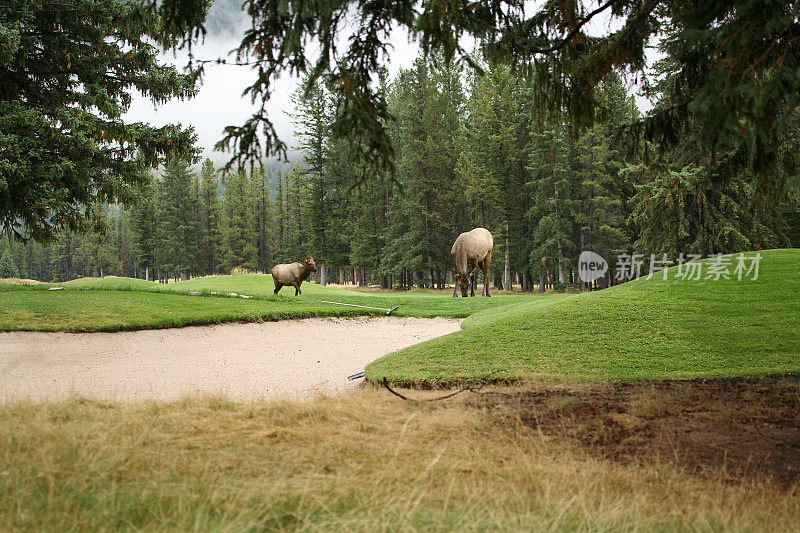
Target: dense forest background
{"points": [[470, 151]]}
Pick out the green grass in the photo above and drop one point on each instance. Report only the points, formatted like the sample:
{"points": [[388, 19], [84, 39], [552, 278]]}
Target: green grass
{"points": [[110, 283], [112, 304], [639, 330]]}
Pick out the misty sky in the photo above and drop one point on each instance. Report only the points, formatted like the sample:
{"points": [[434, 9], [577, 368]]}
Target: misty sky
{"points": [[219, 102]]}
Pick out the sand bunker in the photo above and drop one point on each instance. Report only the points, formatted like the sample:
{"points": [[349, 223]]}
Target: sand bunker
{"points": [[290, 359]]}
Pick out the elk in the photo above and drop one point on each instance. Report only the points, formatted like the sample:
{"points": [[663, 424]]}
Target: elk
{"points": [[472, 248], [293, 274]]}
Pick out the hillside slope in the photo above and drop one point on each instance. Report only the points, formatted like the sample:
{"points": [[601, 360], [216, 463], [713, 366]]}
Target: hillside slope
{"points": [[638, 330]]}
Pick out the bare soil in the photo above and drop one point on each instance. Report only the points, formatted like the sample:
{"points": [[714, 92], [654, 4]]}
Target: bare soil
{"points": [[744, 429], [286, 359]]}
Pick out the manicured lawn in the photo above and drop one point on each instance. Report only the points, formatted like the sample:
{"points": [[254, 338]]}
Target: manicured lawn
{"points": [[639, 330], [411, 303], [111, 304], [109, 310]]}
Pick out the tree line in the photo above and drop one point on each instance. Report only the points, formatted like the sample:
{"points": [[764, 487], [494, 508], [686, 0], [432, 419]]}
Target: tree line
{"points": [[470, 150]]}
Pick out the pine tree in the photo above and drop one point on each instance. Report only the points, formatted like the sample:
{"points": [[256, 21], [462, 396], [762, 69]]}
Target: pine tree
{"points": [[553, 203], [67, 72], [239, 223], [18, 255], [601, 190], [683, 204], [104, 254], [194, 230], [264, 220], [124, 244], [312, 124], [64, 254], [429, 102], [492, 159], [296, 231], [177, 221], [7, 267], [210, 247], [144, 227], [280, 211], [680, 212], [39, 260], [367, 230]]}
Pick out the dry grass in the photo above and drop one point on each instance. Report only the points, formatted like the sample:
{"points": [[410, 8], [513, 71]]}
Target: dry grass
{"points": [[20, 281], [361, 462]]}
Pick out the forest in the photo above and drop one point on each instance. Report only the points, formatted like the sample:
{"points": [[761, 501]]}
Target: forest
{"points": [[471, 150]]}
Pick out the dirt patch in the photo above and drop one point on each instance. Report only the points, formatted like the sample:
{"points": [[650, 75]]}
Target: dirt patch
{"points": [[288, 358], [729, 429]]}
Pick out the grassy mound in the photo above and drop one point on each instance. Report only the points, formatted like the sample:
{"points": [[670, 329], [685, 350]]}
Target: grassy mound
{"points": [[111, 304], [639, 330], [113, 283]]}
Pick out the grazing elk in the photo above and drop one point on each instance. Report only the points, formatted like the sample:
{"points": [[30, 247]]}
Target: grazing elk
{"points": [[293, 274], [471, 249]]}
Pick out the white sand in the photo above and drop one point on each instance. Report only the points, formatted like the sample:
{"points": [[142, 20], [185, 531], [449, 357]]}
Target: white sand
{"points": [[289, 359]]}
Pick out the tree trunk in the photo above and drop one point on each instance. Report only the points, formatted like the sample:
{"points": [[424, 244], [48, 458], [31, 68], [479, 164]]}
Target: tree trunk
{"points": [[184, 276], [507, 269], [558, 238], [541, 282], [498, 281], [322, 273], [584, 286]]}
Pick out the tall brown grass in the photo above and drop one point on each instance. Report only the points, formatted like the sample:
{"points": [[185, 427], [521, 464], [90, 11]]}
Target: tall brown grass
{"points": [[360, 462]]}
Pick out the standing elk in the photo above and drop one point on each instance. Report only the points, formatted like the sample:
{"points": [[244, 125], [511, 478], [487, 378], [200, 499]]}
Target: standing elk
{"points": [[293, 274], [471, 249]]}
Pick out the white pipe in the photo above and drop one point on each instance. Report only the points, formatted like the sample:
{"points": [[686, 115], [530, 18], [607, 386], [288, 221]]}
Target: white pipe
{"points": [[362, 306]]}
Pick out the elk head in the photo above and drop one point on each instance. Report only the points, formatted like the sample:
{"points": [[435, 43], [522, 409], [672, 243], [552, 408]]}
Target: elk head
{"points": [[310, 264], [464, 280]]}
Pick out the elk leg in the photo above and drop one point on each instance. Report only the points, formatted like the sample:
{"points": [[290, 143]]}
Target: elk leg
{"points": [[485, 266], [296, 288], [473, 281], [278, 287]]}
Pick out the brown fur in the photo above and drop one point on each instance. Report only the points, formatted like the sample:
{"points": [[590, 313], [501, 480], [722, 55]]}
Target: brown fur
{"points": [[293, 274], [472, 249]]}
